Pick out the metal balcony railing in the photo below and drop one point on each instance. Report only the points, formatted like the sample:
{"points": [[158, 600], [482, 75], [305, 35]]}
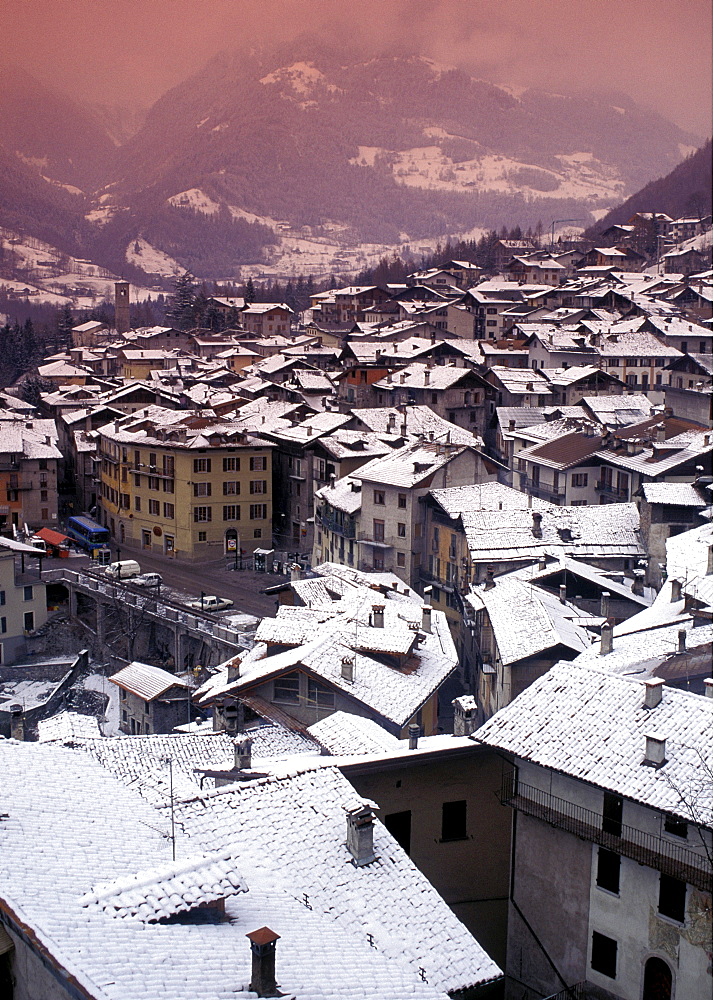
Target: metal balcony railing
{"points": [[645, 848], [609, 489], [330, 522], [545, 490]]}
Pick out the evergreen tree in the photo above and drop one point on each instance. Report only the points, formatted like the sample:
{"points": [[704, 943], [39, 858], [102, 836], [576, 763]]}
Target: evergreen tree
{"points": [[65, 322], [249, 294], [180, 309]]}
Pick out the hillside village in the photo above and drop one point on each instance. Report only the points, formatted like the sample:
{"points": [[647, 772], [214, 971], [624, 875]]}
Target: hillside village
{"points": [[468, 752]]}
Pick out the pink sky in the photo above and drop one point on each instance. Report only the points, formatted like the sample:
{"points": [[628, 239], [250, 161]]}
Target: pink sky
{"points": [[118, 51]]}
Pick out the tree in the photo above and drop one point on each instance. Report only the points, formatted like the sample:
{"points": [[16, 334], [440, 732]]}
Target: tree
{"points": [[249, 292], [65, 322], [180, 310]]}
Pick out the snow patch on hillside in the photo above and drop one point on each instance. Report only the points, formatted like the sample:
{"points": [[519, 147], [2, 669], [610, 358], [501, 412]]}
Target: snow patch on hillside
{"points": [[301, 77], [194, 199], [68, 187], [150, 259]]}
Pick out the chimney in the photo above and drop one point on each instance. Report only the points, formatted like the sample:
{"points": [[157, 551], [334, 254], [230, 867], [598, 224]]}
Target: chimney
{"points": [[347, 670], [414, 731], [562, 590], [426, 378], [17, 723], [710, 560], [707, 440], [653, 692], [262, 947], [233, 669], [426, 618], [511, 425], [605, 604], [542, 564], [465, 715], [638, 584], [295, 573], [537, 529], [708, 686], [360, 833], [655, 747], [377, 616], [605, 640], [682, 641], [661, 433], [242, 753], [402, 378], [676, 590], [489, 584]]}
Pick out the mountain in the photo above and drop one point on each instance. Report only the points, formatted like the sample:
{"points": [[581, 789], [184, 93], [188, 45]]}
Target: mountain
{"points": [[685, 191], [322, 154]]}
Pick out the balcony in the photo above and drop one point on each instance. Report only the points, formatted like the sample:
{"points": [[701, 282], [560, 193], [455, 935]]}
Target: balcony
{"points": [[546, 491], [331, 522], [645, 848], [610, 490]]}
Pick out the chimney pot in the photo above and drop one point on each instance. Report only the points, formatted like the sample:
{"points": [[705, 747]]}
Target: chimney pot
{"points": [[562, 590], [653, 692], [655, 749], [426, 618], [465, 715], [606, 640], [234, 669], [682, 641], [708, 686], [348, 668], [676, 590], [242, 751], [537, 529], [262, 947], [489, 578], [511, 425], [414, 731], [542, 563], [295, 572], [377, 616], [360, 833]]}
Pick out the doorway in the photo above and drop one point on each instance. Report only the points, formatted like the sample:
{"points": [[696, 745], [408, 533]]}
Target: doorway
{"points": [[658, 980]]}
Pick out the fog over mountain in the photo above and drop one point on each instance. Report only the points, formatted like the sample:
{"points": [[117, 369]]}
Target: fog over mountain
{"points": [[303, 138]]}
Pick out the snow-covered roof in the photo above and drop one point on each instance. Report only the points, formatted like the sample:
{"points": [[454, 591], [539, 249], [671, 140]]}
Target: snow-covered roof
{"points": [[688, 560], [591, 725], [675, 494], [422, 376], [344, 733], [67, 726], [408, 466], [31, 438], [415, 421], [145, 680], [457, 500], [176, 887], [344, 494], [287, 836]]}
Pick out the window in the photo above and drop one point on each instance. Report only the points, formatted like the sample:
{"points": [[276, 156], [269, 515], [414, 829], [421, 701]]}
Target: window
{"points": [[202, 536], [402, 501], [379, 498], [201, 514], [231, 513], [453, 820], [672, 897], [258, 486], [258, 463], [153, 482], [579, 479], [257, 532], [29, 621], [168, 485], [137, 481], [401, 559], [137, 458], [400, 826], [42, 464], [124, 501], [378, 530], [401, 530], [152, 459], [319, 695], [231, 489], [434, 398], [3, 624], [12, 496], [287, 688], [168, 511], [154, 508], [675, 827], [604, 955], [202, 489], [27, 593], [231, 464], [168, 465], [43, 496], [608, 870], [201, 465], [2, 596], [258, 511]]}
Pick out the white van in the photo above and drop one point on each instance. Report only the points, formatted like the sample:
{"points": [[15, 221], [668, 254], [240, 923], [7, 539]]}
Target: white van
{"points": [[123, 570]]}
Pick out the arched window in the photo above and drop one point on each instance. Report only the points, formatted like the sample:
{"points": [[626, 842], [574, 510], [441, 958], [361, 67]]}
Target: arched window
{"points": [[658, 980]]}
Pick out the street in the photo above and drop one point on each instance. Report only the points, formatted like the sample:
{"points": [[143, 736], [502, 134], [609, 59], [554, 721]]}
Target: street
{"points": [[243, 587]]}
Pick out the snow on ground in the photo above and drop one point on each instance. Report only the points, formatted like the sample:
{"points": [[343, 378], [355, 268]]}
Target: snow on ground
{"points": [[29, 694], [68, 187], [302, 77], [112, 713], [152, 260], [195, 199], [581, 176]]}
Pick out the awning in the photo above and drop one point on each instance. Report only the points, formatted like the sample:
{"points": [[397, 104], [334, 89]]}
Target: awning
{"points": [[52, 537]]}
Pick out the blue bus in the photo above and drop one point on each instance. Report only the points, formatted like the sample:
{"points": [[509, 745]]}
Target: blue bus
{"points": [[91, 536]]}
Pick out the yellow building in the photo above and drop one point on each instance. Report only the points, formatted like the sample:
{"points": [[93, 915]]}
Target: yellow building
{"points": [[185, 486]]}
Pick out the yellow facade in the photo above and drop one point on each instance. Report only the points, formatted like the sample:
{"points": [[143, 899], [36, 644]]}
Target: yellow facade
{"points": [[187, 503]]}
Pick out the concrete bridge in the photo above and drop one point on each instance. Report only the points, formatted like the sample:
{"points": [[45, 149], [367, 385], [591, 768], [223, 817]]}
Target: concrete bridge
{"points": [[219, 639]]}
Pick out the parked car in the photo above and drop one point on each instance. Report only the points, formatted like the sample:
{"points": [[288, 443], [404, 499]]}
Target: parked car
{"points": [[210, 603], [126, 569], [148, 580]]}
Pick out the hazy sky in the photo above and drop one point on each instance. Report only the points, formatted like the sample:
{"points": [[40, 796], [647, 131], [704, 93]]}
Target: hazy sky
{"points": [[118, 51]]}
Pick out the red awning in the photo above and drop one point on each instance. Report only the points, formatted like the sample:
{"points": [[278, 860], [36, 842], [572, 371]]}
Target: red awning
{"points": [[52, 537]]}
